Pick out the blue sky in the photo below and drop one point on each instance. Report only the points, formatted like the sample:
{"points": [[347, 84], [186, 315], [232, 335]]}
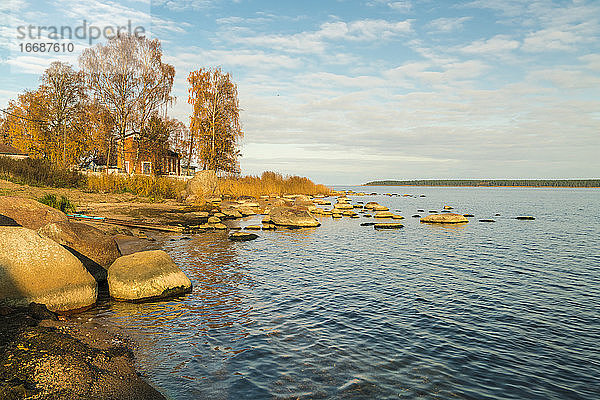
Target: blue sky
{"points": [[350, 91]]}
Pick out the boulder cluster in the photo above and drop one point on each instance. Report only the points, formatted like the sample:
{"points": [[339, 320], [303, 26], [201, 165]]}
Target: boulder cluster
{"points": [[46, 259]]}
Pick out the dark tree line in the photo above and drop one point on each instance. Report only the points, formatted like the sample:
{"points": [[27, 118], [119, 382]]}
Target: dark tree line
{"points": [[573, 183]]}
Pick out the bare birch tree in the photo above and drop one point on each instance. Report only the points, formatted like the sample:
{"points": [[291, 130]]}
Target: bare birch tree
{"points": [[128, 77]]}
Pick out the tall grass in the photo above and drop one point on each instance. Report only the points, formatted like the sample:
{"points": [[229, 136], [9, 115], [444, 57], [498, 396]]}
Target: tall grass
{"points": [[269, 183], [139, 185], [38, 172]]}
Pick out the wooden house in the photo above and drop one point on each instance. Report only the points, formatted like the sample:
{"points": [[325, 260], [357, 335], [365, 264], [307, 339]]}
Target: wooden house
{"points": [[131, 161]]}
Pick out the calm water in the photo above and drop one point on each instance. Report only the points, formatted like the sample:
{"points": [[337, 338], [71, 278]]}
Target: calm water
{"points": [[504, 310]]}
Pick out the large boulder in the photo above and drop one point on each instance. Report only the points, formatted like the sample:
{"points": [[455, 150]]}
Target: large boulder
{"points": [[204, 185], [289, 216], [36, 269], [146, 275], [445, 219], [28, 213], [95, 249]]}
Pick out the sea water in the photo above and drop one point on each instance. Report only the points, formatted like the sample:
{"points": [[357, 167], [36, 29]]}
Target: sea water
{"points": [[502, 310]]}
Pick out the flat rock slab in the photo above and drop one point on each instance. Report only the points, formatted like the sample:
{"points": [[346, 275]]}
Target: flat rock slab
{"points": [[445, 219]]}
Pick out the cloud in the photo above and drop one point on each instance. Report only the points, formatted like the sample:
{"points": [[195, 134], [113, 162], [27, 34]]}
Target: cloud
{"points": [[551, 40], [494, 45], [317, 41], [398, 5], [448, 24]]}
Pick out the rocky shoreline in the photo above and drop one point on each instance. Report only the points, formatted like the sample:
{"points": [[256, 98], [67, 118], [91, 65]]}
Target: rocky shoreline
{"points": [[45, 356]]}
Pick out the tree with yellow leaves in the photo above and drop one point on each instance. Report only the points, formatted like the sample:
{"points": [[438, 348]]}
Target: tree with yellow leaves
{"points": [[215, 122]]}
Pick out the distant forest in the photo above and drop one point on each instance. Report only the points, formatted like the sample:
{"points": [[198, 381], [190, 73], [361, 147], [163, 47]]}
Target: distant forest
{"points": [[575, 183]]}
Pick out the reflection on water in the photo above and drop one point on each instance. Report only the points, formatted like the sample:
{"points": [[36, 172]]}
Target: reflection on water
{"points": [[476, 311]]}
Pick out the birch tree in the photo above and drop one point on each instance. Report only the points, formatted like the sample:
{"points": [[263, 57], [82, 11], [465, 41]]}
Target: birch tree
{"points": [[215, 122], [129, 78]]}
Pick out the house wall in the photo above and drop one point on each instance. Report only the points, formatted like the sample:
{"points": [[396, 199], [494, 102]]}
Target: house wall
{"points": [[170, 165]]}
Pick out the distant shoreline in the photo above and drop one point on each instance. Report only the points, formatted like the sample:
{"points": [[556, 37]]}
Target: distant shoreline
{"points": [[530, 183]]}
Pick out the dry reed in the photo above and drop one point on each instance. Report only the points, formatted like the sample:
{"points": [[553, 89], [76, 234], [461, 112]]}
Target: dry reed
{"points": [[269, 183]]}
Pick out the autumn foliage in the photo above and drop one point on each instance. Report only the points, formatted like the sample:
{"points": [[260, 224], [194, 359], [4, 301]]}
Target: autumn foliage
{"points": [[215, 122]]}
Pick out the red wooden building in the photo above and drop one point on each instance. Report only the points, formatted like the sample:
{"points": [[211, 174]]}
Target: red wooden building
{"points": [[146, 164]]}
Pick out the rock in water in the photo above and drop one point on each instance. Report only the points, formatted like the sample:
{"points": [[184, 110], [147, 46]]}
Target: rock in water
{"points": [[202, 186], [242, 236], [36, 269], [29, 213], [383, 214], [95, 249], [289, 216], [445, 219], [146, 275], [388, 225], [526, 217]]}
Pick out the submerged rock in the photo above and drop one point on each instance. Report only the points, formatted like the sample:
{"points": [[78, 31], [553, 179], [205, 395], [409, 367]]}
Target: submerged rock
{"points": [[146, 275], [242, 236], [28, 213], [388, 225], [288, 216], [468, 215], [486, 220], [525, 217], [445, 219], [96, 250], [37, 269]]}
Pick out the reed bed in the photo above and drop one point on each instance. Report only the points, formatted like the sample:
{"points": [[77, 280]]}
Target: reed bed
{"points": [[269, 183], [38, 172], [140, 185]]}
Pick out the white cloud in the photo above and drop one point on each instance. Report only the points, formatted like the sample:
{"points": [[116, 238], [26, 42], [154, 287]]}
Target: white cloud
{"points": [[316, 41], [494, 45], [551, 40], [448, 24]]}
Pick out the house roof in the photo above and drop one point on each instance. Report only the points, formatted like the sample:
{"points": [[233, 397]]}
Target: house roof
{"points": [[8, 149]]}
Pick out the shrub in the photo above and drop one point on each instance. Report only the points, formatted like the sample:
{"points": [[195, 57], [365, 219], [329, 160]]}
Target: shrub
{"points": [[39, 172], [63, 204]]}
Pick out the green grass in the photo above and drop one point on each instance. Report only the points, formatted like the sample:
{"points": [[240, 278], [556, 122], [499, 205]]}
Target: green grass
{"points": [[63, 204]]}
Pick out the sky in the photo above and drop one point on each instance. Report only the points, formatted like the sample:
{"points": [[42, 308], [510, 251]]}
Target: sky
{"points": [[348, 91]]}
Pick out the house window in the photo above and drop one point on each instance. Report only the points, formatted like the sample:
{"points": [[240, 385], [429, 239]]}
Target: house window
{"points": [[146, 167], [127, 166]]}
